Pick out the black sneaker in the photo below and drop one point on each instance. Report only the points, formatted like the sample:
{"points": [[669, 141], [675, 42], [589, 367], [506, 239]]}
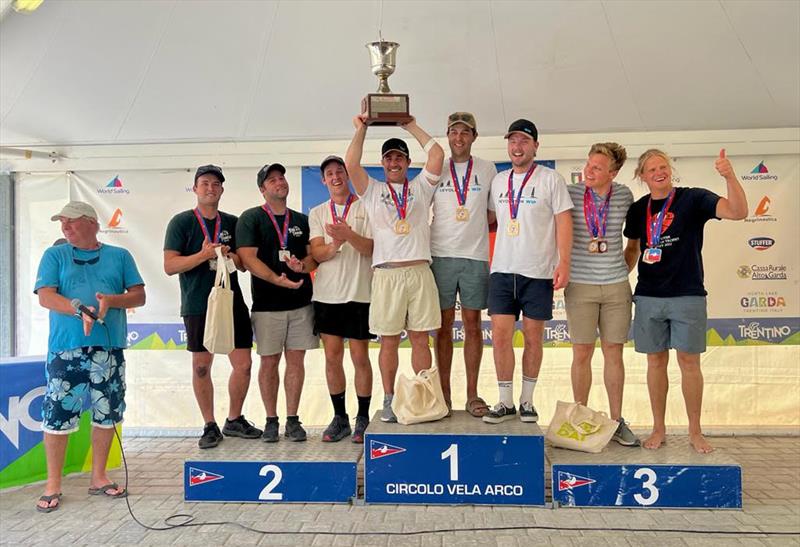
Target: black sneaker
{"points": [[270, 434], [240, 428], [211, 436], [358, 431], [294, 431], [337, 430], [527, 413], [499, 414]]}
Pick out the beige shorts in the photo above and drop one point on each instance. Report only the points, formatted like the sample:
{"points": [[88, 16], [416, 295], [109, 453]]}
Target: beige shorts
{"points": [[280, 330], [607, 307], [404, 298]]}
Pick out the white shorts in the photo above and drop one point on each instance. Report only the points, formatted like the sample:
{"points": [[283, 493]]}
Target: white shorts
{"points": [[404, 298]]}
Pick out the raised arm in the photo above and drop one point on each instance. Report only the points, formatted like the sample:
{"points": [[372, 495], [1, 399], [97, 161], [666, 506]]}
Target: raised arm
{"points": [[352, 158], [734, 206], [433, 165]]}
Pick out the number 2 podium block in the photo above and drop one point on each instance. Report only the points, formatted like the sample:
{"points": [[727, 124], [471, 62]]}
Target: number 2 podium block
{"points": [[240, 470], [674, 476], [457, 460]]}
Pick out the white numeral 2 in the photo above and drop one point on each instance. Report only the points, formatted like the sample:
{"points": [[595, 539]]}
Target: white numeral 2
{"points": [[649, 481], [452, 453], [267, 493]]}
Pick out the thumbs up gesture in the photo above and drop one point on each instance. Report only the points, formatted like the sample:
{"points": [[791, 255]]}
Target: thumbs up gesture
{"points": [[723, 165]]}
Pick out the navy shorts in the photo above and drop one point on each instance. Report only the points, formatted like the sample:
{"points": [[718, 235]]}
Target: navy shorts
{"points": [[73, 376], [242, 329], [511, 293]]}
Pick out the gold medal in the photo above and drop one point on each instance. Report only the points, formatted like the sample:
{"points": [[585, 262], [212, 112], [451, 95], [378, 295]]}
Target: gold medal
{"points": [[462, 214], [513, 227], [402, 227], [594, 246]]}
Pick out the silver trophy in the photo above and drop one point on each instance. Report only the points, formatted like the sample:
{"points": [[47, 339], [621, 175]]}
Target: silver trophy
{"points": [[384, 107]]}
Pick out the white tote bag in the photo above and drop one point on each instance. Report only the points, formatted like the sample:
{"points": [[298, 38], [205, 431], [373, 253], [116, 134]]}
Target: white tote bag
{"points": [[218, 336], [419, 399], [578, 427]]}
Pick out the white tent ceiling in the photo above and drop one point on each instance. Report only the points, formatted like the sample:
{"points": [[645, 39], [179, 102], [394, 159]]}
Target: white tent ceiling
{"points": [[127, 71]]}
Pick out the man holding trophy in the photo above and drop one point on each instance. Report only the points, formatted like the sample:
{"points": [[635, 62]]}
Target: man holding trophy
{"points": [[404, 294]]}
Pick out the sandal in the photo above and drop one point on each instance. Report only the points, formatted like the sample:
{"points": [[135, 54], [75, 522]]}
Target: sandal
{"points": [[477, 407], [103, 491], [47, 500]]}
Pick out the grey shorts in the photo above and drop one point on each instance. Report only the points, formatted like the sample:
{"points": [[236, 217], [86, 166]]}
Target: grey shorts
{"points": [[469, 278], [281, 330], [678, 322]]}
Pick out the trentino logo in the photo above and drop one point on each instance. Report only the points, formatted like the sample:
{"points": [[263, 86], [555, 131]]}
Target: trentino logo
{"points": [[760, 173], [114, 186]]}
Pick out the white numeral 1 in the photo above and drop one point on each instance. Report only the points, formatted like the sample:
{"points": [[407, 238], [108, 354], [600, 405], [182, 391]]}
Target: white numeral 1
{"points": [[452, 453], [267, 493], [649, 484]]}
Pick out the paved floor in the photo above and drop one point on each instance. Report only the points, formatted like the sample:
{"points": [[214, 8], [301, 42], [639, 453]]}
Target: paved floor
{"points": [[771, 475]]}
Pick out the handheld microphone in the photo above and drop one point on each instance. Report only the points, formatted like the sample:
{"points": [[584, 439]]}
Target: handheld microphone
{"points": [[78, 307]]}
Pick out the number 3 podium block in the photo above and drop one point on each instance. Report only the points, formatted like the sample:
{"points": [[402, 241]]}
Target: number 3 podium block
{"points": [[674, 476], [241, 470], [457, 460]]}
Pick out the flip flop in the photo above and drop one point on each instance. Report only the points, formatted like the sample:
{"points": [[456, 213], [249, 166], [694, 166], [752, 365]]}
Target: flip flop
{"points": [[48, 499], [103, 491], [477, 407]]}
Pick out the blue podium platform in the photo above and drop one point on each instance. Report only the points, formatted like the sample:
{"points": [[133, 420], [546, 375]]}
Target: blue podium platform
{"points": [[241, 470], [456, 460], [672, 477]]}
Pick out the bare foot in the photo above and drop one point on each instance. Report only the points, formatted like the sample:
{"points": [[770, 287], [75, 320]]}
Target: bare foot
{"points": [[700, 444], [654, 441]]}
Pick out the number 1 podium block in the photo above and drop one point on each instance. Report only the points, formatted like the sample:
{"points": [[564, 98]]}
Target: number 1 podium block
{"points": [[456, 460], [674, 476], [240, 470]]}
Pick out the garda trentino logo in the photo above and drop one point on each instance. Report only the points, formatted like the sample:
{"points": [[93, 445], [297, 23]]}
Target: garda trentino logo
{"points": [[762, 212], [760, 301], [760, 173], [754, 331], [114, 186]]}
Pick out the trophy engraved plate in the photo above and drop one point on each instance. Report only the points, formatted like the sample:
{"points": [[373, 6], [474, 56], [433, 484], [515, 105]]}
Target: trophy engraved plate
{"points": [[384, 107]]}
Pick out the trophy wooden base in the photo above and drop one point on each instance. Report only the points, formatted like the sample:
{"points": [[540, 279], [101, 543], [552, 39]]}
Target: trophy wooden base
{"points": [[385, 109]]}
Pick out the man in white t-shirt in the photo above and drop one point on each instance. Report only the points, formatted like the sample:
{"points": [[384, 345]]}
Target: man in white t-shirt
{"points": [[460, 250], [531, 259], [341, 242], [404, 295]]}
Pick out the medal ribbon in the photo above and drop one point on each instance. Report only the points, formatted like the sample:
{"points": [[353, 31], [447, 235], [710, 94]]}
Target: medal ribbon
{"points": [[595, 220], [654, 224], [399, 204], [283, 235], [217, 226], [513, 203], [340, 219], [461, 193]]}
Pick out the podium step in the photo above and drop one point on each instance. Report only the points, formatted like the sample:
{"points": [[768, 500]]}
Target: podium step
{"points": [[672, 477], [243, 470], [456, 460]]}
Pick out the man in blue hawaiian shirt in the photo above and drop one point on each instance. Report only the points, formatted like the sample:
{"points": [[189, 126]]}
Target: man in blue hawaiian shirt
{"points": [[84, 359]]}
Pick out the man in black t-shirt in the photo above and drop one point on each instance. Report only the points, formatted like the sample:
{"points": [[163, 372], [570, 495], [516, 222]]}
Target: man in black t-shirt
{"points": [[190, 251], [273, 242], [665, 238]]}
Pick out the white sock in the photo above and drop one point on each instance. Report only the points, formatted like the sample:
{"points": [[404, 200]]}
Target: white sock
{"points": [[506, 393], [527, 390]]}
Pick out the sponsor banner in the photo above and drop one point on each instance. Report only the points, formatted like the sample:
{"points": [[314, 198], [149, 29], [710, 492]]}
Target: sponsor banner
{"points": [[22, 458]]}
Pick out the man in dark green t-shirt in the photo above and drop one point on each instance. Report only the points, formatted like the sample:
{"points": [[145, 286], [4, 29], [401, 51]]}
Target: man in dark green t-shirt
{"points": [[190, 251], [273, 242]]}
